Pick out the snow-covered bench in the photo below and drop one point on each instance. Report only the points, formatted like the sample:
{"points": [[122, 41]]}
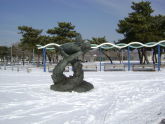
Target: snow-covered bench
{"points": [[90, 67], [147, 67], [114, 67]]}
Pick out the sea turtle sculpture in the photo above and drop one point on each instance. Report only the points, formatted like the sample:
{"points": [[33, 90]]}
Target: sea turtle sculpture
{"points": [[70, 53]]}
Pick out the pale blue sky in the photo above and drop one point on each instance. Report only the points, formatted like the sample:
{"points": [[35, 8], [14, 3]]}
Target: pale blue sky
{"points": [[92, 18]]}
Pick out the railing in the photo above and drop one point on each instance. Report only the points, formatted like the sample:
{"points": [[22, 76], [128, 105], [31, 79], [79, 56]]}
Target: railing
{"points": [[131, 45]]}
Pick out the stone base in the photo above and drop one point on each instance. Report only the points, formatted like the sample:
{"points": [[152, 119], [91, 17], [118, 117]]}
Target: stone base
{"points": [[69, 87], [162, 121]]}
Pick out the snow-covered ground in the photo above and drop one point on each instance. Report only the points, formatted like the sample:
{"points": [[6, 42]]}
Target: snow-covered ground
{"points": [[118, 98]]}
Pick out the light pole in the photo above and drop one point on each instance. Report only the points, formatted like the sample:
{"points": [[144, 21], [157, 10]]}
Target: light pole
{"points": [[159, 58], [23, 57], [33, 56], [11, 54], [122, 56], [129, 64], [11, 60]]}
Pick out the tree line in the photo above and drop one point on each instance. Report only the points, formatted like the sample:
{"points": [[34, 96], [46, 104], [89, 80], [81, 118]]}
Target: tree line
{"points": [[139, 26]]}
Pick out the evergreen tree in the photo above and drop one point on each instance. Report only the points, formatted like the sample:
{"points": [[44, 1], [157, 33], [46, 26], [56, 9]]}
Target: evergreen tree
{"points": [[138, 26], [30, 38], [4, 52], [100, 40], [63, 33], [158, 29]]}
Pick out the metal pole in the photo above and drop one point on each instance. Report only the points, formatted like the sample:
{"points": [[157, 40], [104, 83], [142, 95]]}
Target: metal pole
{"points": [[23, 58], [44, 59], [129, 65], [159, 58], [122, 56], [11, 54], [11, 57], [33, 57], [100, 57]]}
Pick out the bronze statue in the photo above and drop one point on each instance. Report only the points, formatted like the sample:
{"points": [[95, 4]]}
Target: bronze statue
{"points": [[70, 53]]}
